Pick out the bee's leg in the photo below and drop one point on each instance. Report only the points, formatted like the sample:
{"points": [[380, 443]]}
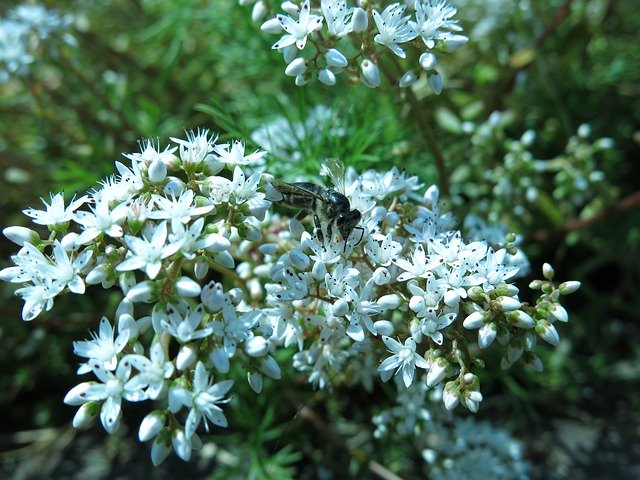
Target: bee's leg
{"points": [[361, 235], [319, 234]]}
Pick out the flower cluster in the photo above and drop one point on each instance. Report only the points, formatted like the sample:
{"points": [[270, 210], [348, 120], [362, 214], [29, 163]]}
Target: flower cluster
{"points": [[287, 139], [451, 447], [25, 29], [154, 231], [508, 178], [394, 297], [354, 39]]}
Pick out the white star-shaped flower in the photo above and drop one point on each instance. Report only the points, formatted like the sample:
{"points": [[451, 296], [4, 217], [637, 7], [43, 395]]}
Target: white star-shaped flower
{"points": [[297, 31]]}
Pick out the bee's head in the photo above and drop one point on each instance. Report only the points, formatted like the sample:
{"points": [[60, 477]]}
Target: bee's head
{"points": [[346, 222]]}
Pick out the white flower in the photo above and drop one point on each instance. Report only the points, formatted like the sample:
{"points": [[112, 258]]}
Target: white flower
{"points": [[101, 220], [185, 329], [417, 267], [338, 17], [202, 399], [233, 154], [191, 240], [152, 372], [393, 28], [102, 347], [55, 213], [65, 270], [178, 210], [147, 254], [150, 154], [297, 31], [404, 360], [196, 148], [432, 16], [36, 298], [112, 390]]}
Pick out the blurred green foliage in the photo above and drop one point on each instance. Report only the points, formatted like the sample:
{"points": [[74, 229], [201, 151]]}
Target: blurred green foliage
{"points": [[149, 69]]}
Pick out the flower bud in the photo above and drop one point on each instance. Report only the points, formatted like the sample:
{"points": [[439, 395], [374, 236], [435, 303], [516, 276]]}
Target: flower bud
{"points": [[449, 396], [532, 361], [508, 304], [181, 444], [547, 332], [547, 271], [157, 171], [381, 276], [514, 351], [566, 288], [201, 268], [161, 448], [437, 372], [151, 425], [290, 7], [487, 334], [537, 284], [174, 187], [256, 346], [476, 293], [416, 303], [559, 313], [359, 20], [141, 292], [472, 400], [408, 79], [187, 287], [384, 327], [451, 298], [272, 25], [340, 308], [255, 380], [389, 302], [327, 77], [97, 275], [259, 11], [427, 61], [301, 80], [336, 59], [370, 73], [435, 82], [85, 414], [392, 218], [20, 235], [186, 357], [474, 320], [520, 319], [270, 367], [296, 67]]}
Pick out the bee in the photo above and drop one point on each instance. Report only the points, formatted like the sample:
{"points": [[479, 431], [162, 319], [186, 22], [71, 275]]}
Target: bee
{"points": [[330, 208]]}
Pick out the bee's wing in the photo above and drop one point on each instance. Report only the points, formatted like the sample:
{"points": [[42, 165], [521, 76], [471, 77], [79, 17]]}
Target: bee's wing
{"points": [[290, 190], [334, 168]]}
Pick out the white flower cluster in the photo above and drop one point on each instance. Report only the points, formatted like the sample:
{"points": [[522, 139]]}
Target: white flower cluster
{"points": [[508, 178], [402, 292], [352, 37], [451, 447], [190, 206], [287, 139], [26, 28], [473, 449], [392, 300]]}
